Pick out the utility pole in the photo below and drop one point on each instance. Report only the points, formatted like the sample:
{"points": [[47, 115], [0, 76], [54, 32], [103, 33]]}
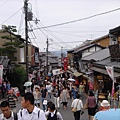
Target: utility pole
{"points": [[26, 33], [47, 55]]}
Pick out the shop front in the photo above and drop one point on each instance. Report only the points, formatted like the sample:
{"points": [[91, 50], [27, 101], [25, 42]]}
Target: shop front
{"points": [[103, 83]]}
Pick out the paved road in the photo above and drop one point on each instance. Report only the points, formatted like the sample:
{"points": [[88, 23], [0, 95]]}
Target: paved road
{"points": [[67, 114]]}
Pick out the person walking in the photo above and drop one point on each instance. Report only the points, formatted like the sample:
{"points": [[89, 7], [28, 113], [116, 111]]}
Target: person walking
{"points": [[56, 93], [29, 111], [91, 103], [81, 89], [44, 94], [8, 86], [36, 95], [3, 90], [74, 91], [78, 104], [52, 113], [49, 89], [64, 97], [12, 98], [106, 113], [7, 114]]}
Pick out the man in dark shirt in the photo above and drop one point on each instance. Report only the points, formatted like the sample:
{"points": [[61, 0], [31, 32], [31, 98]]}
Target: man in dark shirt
{"points": [[44, 94]]}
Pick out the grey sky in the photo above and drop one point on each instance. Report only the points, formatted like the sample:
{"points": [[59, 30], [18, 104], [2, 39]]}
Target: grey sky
{"points": [[51, 12]]}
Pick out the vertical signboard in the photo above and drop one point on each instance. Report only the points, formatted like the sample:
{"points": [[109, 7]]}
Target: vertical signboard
{"points": [[65, 60], [36, 55], [1, 74]]}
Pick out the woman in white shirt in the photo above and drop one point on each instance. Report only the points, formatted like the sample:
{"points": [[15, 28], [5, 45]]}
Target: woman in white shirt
{"points": [[36, 95], [78, 104]]}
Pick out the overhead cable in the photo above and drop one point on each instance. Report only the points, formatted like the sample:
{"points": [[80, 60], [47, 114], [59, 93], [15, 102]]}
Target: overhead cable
{"points": [[64, 23], [4, 3], [10, 16]]}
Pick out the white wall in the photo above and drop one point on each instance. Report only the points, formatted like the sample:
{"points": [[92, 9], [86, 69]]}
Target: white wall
{"points": [[22, 58], [90, 51]]}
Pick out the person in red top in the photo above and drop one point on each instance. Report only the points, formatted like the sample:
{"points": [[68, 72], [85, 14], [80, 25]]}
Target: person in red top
{"points": [[91, 103]]}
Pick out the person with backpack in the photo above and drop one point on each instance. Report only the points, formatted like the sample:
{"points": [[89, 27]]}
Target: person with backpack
{"points": [[30, 111], [52, 113], [7, 114]]}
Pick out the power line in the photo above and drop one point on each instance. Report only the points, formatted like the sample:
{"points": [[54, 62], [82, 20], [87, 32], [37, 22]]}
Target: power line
{"points": [[48, 31], [65, 42], [71, 41], [21, 23], [11, 16], [64, 23], [70, 34], [4, 3], [53, 36]]}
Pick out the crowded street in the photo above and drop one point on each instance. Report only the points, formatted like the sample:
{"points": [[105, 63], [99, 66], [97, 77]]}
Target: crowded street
{"points": [[67, 114], [59, 60]]}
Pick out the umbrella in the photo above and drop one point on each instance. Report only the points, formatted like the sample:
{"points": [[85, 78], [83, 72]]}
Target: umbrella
{"points": [[27, 84], [72, 80], [118, 86]]}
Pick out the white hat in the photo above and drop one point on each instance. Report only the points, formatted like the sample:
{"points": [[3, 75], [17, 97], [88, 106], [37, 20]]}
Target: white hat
{"points": [[105, 103]]}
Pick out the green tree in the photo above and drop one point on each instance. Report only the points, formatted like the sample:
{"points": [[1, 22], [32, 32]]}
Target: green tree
{"points": [[10, 47], [18, 77]]}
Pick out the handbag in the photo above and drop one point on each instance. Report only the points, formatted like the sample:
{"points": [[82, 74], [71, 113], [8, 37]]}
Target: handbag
{"points": [[85, 106], [75, 109], [45, 102]]}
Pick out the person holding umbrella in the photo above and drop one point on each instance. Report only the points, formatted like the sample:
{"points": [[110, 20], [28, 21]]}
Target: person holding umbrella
{"points": [[28, 86]]}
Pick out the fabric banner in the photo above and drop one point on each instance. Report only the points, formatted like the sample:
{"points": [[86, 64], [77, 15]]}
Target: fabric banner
{"points": [[1, 74], [30, 77], [65, 64], [110, 71], [113, 89]]}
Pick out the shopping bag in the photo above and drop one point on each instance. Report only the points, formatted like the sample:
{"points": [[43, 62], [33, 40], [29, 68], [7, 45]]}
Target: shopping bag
{"points": [[74, 109], [85, 106], [45, 102]]}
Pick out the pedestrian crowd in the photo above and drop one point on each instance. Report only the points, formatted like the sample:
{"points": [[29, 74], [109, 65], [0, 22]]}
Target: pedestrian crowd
{"points": [[61, 90]]}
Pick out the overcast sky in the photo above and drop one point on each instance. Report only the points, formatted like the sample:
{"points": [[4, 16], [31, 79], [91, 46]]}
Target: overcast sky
{"points": [[53, 12]]}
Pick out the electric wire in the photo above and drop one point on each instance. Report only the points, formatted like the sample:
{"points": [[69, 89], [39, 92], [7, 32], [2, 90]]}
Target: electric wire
{"points": [[54, 42], [4, 3], [34, 37], [73, 21], [46, 36], [33, 34], [48, 31], [54, 35], [69, 34], [21, 23], [10, 16]]}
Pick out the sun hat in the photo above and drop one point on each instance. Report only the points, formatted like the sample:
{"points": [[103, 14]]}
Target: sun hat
{"points": [[105, 103]]}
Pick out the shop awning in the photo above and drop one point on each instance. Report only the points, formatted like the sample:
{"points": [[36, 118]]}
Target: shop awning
{"points": [[85, 76], [104, 71], [75, 73]]}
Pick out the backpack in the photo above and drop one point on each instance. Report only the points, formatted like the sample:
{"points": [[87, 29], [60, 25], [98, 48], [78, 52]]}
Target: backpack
{"points": [[52, 118], [38, 113], [15, 116]]}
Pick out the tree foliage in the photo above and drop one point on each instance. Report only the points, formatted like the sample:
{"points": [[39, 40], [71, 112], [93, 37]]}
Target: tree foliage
{"points": [[10, 47], [18, 77]]}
